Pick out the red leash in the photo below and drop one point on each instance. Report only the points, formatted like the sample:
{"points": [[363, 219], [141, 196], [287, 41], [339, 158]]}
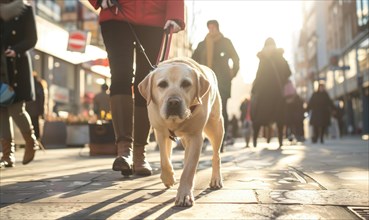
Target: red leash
{"points": [[165, 46]]}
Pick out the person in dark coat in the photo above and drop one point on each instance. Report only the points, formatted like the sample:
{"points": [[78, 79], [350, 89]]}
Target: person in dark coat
{"points": [[267, 105], [18, 35], [215, 51], [294, 118], [101, 102], [321, 107], [246, 120]]}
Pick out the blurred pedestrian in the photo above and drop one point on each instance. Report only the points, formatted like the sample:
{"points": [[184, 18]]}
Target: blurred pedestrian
{"points": [[267, 98], [235, 127], [102, 102], [321, 107], [121, 21], [338, 114], [18, 35], [294, 118], [245, 109], [36, 108], [215, 51]]}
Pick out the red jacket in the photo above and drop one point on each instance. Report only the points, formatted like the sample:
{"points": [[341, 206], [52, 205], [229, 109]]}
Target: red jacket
{"points": [[145, 12]]}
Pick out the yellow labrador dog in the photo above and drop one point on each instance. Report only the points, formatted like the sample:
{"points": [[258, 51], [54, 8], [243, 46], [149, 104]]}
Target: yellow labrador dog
{"points": [[183, 101]]}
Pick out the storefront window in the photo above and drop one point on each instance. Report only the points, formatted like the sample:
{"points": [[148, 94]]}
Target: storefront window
{"points": [[93, 82], [362, 10], [36, 58], [330, 80], [363, 56], [351, 62], [63, 74]]}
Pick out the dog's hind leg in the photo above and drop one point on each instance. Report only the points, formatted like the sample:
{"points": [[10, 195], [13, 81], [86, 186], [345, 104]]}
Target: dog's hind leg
{"points": [[214, 130], [165, 147]]}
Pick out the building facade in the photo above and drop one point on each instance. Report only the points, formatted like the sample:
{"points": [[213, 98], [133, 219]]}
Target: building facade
{"points": [[334, 45]]}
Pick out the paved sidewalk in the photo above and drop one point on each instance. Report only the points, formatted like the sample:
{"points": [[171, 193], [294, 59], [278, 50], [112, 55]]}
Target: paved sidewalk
{"points": [[300, 181]]}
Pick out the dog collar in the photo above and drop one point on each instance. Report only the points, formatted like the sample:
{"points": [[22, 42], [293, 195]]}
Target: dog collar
{"points": [[193, 107], [172, 136]]}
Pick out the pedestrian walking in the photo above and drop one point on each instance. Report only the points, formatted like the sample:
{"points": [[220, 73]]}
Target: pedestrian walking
{"points": [[338, 114], [36, 108], [127, 25], [294, 118], [321, 107], [215, 51], [245, 109], [101, 102], [18, 35], [267, 98]]}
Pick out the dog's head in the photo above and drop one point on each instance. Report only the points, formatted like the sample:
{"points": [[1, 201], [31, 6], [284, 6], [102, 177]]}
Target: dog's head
{"points": [[175, 86]]}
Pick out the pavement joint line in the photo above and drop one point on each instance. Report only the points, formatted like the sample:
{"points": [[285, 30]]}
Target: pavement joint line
{"points": [[302, 174], [300, 178]]}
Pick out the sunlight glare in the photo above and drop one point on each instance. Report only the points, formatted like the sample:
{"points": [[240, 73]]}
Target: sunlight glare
{"points": [[247, 24]]}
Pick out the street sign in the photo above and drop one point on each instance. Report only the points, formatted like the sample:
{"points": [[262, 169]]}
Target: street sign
{"points": [[340, 67], [344, 67], [78, 41]]}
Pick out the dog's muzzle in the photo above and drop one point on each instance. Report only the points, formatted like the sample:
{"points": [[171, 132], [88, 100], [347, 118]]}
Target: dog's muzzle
{"points": [[174, 107]]}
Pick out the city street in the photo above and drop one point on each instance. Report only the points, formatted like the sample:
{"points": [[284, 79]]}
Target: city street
{"points": [[299, 181]]}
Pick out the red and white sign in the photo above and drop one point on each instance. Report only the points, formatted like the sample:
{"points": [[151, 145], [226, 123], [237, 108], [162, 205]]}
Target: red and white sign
{"points": [[78, 41]]}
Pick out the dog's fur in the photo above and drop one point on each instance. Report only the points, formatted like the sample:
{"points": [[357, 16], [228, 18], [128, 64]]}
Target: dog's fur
{"points": [[183, 100]]}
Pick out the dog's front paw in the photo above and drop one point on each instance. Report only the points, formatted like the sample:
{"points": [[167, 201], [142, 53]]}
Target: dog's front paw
{"points": [[168, 179], [185, 199], [216, 182]]}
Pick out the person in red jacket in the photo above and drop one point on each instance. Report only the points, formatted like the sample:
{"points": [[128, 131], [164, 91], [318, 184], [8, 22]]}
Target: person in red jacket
{"points": [[148, 19]]}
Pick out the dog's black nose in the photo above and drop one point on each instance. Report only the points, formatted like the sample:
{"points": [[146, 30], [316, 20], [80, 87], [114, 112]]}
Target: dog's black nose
{"points": [[173, 106], [173, 102]]}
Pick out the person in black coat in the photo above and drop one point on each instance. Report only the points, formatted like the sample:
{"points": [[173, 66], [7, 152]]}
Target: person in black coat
{"points": [[321, 107], [267, 101], [18, 35], [294, 118], [215, 52]]}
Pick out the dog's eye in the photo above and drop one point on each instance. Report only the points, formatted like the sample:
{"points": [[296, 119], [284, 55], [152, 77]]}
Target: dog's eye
{"points": [[186, 84], [163, 84]]}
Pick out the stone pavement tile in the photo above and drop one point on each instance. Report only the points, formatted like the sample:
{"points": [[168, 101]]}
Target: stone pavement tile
{"points": [[37, 173], [334, 179], [343, 197], [105, 196], [226, 196], [266, 179], [42, 211], [142, 196], [15, 197]]}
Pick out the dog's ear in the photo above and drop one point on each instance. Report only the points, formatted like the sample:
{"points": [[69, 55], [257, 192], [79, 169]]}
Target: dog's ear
{"points": [[145, 87], [203, 86]]}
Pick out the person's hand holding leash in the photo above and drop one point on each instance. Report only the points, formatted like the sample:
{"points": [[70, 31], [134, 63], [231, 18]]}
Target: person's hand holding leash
{"points": [[175, 26], [10, 53], [105, 4]]}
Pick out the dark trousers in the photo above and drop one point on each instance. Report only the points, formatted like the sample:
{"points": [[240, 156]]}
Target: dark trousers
{"points": [[123, 53], [36, 126], [318, 133]]}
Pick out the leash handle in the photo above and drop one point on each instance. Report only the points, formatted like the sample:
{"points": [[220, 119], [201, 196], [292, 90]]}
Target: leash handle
{"points": [[165, 45]]}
